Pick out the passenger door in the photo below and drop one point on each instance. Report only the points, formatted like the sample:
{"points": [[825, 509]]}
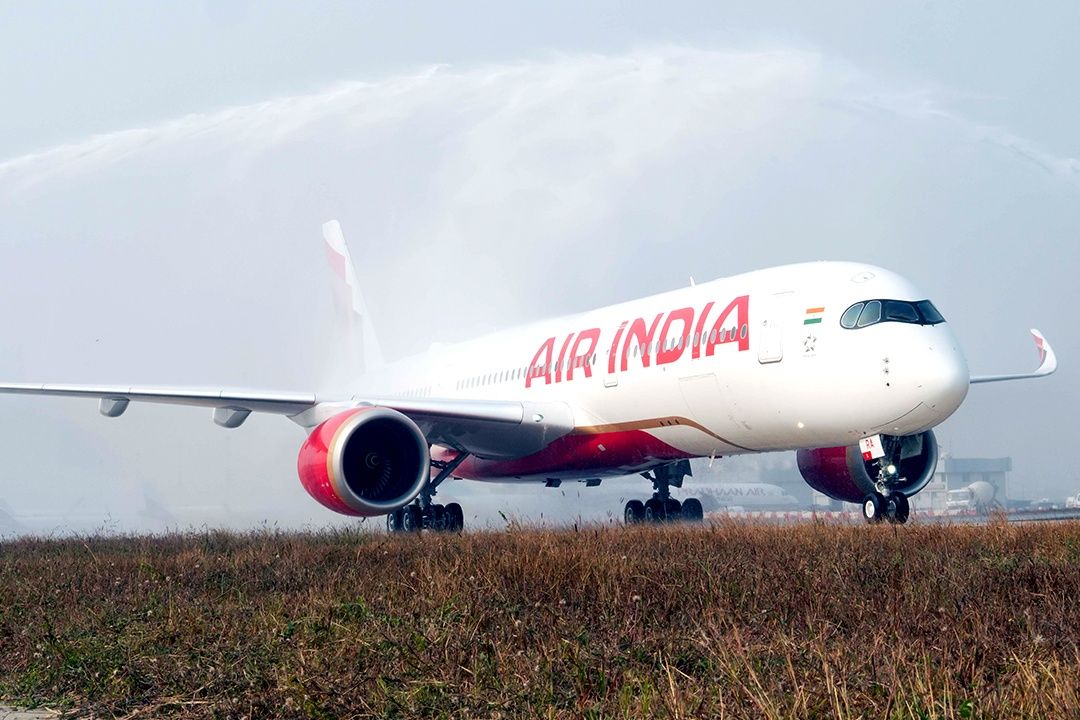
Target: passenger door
{"points": [[770, 330]]}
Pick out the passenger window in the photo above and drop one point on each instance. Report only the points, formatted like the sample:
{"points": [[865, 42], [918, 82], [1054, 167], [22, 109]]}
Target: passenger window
{"points": [[851, 316], [870, 314]]}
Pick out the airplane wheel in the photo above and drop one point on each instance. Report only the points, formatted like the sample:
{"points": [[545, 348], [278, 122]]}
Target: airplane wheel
{"points": [[888, 506], [903, 509], [412, 519], [634, 512], [654, 510], [438, 517], [454, 518], [873, 508], [692, 510], [393, 521], [672, 510]]}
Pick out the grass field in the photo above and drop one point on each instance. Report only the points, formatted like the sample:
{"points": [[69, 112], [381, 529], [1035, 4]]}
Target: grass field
{"points": [[733, 620]]}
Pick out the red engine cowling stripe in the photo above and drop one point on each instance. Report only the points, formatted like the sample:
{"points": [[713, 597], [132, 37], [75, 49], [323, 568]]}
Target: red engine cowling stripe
{"points": [[315, 461]]}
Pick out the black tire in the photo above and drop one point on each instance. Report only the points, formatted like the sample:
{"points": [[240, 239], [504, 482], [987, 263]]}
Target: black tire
{"points": [[454, 518], [438, 518], [873, 508], [412, 519], [692, 510], [634, 512], [654, 510], [393, 521], [903, 509], [888, 506], [672, 510]]}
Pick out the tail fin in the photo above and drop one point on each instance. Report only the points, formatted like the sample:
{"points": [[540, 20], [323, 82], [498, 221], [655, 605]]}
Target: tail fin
{"points": [[355, 329]]}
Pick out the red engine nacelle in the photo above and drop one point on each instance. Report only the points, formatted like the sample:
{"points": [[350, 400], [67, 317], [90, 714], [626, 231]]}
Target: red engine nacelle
{"points": [[842, 474], [367, 461]]}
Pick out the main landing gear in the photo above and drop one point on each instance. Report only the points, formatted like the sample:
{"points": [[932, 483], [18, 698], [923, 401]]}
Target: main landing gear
{"points": [[661, 507], [422, 514]]}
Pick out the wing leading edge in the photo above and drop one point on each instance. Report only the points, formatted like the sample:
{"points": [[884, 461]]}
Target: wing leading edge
{"points": [[1047, 363], [486, 428]]}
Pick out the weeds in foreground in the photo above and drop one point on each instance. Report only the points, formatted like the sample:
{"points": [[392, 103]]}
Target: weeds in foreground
{"points": [[731, 620]]}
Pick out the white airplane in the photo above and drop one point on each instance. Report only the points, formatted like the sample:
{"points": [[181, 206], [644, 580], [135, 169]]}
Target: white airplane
{"points": [[751, 496], [848, 364]]}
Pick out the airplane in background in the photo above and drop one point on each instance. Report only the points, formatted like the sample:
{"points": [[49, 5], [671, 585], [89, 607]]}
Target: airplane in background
{"points": [[849, 365], [733, 496]]}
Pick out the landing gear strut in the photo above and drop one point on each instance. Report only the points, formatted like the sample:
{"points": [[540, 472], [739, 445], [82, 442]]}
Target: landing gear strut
{"points": [[885, 503], [661, 507], [422, 513]]}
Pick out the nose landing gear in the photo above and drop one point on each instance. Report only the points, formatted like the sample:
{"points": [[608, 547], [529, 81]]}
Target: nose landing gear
{"points": [[885, 502], [893, 507], [661, 507]]}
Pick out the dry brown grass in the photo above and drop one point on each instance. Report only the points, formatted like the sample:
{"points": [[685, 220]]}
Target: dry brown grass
{"points": [[734, 620]]}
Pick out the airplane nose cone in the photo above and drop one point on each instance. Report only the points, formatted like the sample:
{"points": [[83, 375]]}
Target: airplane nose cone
{"points": [[944, 379]]}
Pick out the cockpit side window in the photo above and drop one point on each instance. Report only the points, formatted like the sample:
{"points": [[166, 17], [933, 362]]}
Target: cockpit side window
{"points": [[930, 314], [871, 312]]}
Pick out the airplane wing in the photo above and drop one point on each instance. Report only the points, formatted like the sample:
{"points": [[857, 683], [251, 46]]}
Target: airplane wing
{"points": [[1047, 363], [486, 428]]}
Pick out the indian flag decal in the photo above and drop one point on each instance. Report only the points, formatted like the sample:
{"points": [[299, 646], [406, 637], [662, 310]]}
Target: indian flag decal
{"points": [[813, 316]]}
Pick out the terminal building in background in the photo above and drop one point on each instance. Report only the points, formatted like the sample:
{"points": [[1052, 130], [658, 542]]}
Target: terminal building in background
{"points": [[961, 484], [958, 484]]}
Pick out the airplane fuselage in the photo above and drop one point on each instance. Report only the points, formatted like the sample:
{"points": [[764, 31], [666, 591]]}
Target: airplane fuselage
{"points": [[750, 363]]}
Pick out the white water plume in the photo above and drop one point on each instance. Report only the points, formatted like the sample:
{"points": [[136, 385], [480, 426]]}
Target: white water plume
{"points": [[473, 198]]}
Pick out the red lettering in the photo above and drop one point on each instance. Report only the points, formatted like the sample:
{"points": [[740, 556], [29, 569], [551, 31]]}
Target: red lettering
{"points": [[741, 332], [593, 336], [733, 325], [699, 337], [637, 330], [614, 348], [541, 363], [562, 356], [672, 346]]}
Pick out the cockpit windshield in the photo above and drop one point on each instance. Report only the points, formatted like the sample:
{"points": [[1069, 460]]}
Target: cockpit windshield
{"points": [[871, 312]]}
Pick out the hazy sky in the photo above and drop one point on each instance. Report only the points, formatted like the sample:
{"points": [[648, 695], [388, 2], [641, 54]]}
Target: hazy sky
{"points": [[165, 167]]}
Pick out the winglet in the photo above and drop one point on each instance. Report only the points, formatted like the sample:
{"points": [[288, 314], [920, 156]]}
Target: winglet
{"points": [[1047, 363]]}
